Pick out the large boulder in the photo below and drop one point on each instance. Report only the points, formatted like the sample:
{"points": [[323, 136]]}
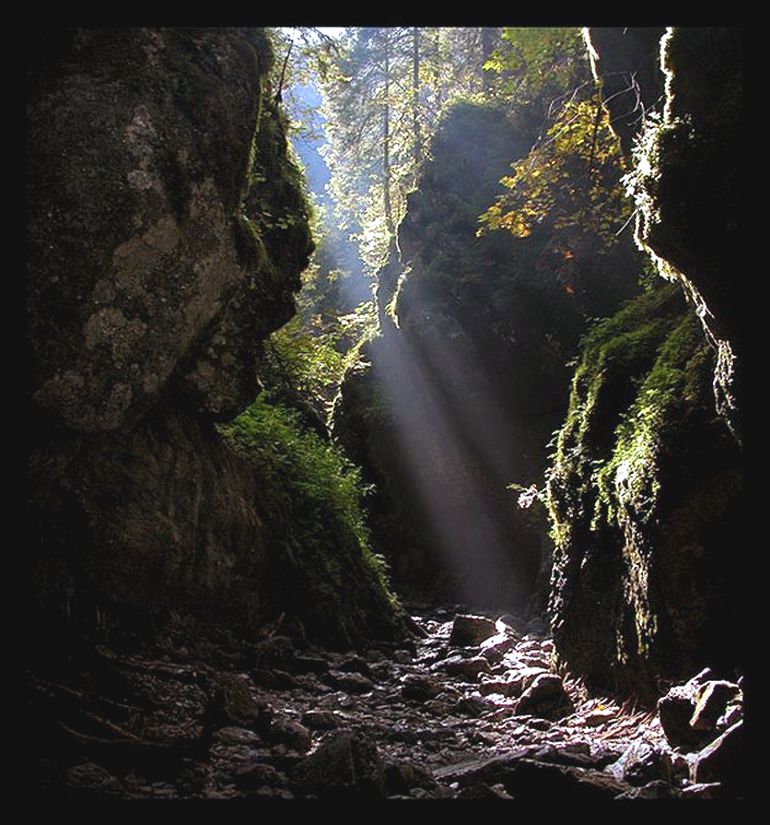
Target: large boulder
{"points": [[167, 233], [143, 267]]}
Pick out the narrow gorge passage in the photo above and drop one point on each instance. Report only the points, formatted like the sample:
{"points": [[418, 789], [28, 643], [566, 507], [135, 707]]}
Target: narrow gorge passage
{"points": [[385, 414]]}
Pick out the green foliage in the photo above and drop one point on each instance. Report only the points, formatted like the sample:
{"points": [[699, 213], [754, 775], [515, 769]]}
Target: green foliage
{"points": [[532, 59], [309, 355], [572, 179], [313, 487]]}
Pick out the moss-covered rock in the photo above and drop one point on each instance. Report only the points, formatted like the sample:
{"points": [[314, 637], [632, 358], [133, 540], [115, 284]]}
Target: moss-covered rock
{"points": [[139, 145], [167, 232], [644, 497], [688, 188]]}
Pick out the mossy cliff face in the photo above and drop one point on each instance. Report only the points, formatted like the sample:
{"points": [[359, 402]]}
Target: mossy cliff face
{"points": [[167, 233], [688, 189], [645, 490], [460, 399], [644, 498]]}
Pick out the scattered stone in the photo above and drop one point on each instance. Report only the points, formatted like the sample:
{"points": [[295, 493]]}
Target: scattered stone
{"points": [[237, 736], [515, 623], [403, 657], [91, 779], [658, 789], [537, 723], [259, 775], [471, 630], [471, 706], [546, 698], [309, 664], [287, 732], [481, 791], [641, 764], [468, 669], [355, 664], [419, 688], [384, 671], [238, 699], [274, 679], [723, 760], [675, 710], [711, 702], [351, 682], [403, 777], [520, 679], [704, 790], [321, 720], [347, 765], [495, 647], [491, 686]]}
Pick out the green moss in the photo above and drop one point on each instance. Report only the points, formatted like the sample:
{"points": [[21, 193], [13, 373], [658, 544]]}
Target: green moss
{"points": [[312, 497], [616, 355], [640, 496], [631, 479]]}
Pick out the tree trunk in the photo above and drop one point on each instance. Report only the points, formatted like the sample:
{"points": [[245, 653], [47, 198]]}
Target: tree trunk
{"points": [[416, 101], [386, 173], [488, 42]]}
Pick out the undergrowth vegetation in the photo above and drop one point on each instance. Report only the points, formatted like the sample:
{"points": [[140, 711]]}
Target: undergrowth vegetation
{"points": [[315, 496]]}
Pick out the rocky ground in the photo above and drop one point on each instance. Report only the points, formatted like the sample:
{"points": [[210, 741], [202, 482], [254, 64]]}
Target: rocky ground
{"points": [[472, 709]]}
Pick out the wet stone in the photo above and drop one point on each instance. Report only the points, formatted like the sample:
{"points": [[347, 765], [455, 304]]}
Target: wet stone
{"points": [[641, 763], [468, 669], [711, 702], [351, 682], [274, 679], [470, 630], [290, 733], [258, 775], [346, 765], [355, 664], [675, 711], [546, 698], [419, 688], [91, 779], [237, 736], [321, 720], [723, 760]]}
